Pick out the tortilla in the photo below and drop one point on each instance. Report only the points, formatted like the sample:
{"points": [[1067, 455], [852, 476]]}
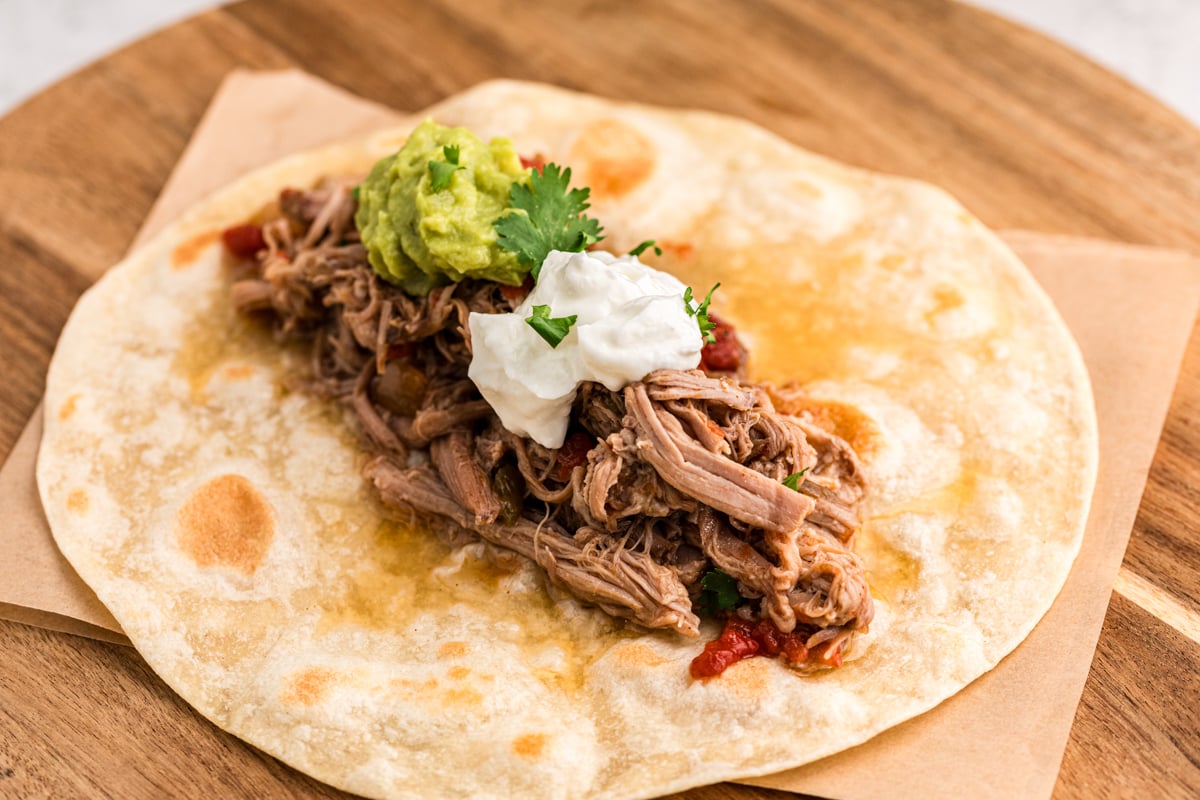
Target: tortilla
{"points": [[224, 523]]}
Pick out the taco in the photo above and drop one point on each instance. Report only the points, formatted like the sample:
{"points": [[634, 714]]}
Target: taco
{"points": [[218, 507]]}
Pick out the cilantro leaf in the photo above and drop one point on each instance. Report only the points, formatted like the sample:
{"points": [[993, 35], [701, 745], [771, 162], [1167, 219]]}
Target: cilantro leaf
{"points": [[552, 329], [547, 216], [701, 313], [793, 481], [641, 248], [440, 173], [719, 592], [451, 152]]}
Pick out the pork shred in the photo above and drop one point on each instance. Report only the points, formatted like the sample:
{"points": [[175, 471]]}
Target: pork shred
{"points": [[662, 482]]}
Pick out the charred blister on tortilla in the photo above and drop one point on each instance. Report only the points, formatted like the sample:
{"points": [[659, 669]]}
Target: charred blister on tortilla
{"points": [[683, 494]]}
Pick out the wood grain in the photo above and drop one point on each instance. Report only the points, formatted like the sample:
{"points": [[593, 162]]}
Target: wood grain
{"points": [[1027, 133]]}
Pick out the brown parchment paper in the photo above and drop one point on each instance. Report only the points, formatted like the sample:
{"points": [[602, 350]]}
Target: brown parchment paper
{"points": [[1131, 309]]}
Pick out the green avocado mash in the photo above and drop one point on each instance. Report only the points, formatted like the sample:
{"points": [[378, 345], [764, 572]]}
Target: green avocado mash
{"points": [[425, 226]]}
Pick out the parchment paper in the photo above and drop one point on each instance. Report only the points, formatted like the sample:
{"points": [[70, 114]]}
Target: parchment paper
{"points": [[1130, 308]]}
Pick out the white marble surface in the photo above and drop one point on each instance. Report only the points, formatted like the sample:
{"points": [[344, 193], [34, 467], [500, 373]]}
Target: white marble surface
{"points": [[1154, 43]]}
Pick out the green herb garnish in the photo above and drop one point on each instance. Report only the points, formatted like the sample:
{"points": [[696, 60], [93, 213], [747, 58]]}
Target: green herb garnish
{"points": [[641, 248], [701, 313], [793, 481], [719, 592], [355, 192], [547, 216], [440, 172], [552, 329]]}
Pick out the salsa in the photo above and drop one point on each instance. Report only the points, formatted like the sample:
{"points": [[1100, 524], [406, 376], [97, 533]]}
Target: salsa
{"points": [[243, 241], [725, 353], [744, 639], [572, 454]]}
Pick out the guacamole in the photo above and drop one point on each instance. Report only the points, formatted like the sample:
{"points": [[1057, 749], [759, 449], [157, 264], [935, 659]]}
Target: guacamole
{"points": [[423, 229]]}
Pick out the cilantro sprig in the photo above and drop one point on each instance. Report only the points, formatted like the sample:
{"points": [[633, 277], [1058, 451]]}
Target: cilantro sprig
{"points": [[641, 248], [440, 172], [552, 329], [718, 592], [547, 215], [793, 481], [700, 312]]}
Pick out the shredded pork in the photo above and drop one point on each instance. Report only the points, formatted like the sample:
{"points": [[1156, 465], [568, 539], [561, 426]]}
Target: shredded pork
{"points": [[683, 471]]}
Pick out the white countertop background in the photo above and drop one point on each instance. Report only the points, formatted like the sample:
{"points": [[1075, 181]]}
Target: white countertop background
{"points": [[1154, 43]]}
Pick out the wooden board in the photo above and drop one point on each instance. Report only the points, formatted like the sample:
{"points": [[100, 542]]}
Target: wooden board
{"points": [[1025, 132]]}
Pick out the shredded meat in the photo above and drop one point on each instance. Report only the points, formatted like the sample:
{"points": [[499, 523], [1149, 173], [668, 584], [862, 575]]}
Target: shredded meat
{"points": [[618, 576], [685, 472]]}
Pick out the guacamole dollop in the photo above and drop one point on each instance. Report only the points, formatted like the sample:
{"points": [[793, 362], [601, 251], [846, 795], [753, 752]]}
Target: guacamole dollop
{"points": [[422, 231]]}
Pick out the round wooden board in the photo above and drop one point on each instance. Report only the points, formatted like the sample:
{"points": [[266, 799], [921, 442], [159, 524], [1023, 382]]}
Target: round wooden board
{"points": [[1025, 132]]}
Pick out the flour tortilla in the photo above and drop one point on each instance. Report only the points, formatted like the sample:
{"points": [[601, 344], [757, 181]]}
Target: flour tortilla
{"points": [[223, 521]]}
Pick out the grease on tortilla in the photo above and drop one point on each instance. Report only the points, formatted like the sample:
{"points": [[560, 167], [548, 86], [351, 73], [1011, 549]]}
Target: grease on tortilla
{"points": [[188, 251]]}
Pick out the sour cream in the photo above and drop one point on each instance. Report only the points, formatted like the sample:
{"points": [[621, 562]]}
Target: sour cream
{"points": [[631, 321]]}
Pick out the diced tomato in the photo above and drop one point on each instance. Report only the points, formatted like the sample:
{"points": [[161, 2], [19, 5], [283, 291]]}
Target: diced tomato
{"points": [[735, 643], [572, 454], [515, 294], [725, 354], [769, 638], [243, 241], [794, 650], [537, 161], [743, 639]]}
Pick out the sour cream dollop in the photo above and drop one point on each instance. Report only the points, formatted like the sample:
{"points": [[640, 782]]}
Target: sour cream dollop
{"points": [[631, 321]]}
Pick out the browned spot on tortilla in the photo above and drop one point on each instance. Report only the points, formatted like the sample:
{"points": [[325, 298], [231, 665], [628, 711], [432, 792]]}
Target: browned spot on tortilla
{"points": [[806, 188], [946, 298], [452, 649], [748, 678], [638, 655], [308, 686], [238, 372], [406, 686], [228, 523], [77, 501], [681, 250], [891, 261], [458, 673], [615, 158], [463, 697], [68, 407], [187, 251], [530, 745]]}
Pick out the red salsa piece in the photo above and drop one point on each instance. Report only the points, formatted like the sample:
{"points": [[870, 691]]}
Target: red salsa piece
{"points": [[572, 454], [725, 354], [536, 161], [743, 639], [735, 643], [243, 241]]}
